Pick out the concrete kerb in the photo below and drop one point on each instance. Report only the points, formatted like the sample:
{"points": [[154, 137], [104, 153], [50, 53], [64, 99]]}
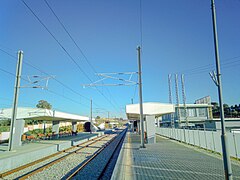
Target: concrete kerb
{"points": [[125, 154]]}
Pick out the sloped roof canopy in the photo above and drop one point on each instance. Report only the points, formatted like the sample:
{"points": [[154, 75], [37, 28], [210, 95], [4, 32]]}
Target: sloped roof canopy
{"points": [[41, 114], [149, 108]]}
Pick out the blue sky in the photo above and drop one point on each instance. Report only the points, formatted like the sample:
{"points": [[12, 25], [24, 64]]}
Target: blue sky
{"points": [[177, 37]]}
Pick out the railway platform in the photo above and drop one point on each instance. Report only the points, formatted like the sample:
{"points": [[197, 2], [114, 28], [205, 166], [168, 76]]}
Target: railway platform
{"points": [[168, 159], [32, 151]]}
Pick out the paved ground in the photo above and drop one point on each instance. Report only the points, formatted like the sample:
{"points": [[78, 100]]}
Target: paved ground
{"points": [[32, 146], [168, 159]]}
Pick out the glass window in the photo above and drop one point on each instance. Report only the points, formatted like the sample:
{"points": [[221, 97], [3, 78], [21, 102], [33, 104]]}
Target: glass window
{"points": [[182, 112], [191, 112], [202, 112]]}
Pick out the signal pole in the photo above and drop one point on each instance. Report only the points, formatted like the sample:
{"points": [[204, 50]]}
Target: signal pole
{"points": [[140, 96], [226, 155], [15, 99]]}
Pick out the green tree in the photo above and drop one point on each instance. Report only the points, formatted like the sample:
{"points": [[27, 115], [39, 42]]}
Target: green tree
{"points": [[235, 113], [226, 109], [98, 117], [44, 104], [215, 110]]}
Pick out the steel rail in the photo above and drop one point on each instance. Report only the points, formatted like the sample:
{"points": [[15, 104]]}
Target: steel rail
{"points": [[7, 173], [109, 160], [93, 157], [40, 169]]}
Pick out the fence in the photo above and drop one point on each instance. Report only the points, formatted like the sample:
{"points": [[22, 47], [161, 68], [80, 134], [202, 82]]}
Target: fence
{"points": [[210, 140]]}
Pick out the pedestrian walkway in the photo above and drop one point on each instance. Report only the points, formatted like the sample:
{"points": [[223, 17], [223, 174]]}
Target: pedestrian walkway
{"points": [[168, 159]]}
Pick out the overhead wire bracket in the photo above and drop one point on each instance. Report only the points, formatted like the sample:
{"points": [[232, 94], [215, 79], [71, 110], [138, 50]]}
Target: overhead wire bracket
{"points": [[125, 81], [36, 81]]}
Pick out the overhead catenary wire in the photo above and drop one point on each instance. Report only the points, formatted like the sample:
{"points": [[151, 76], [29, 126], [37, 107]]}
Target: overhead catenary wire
{"points": [[5, 71], [60, 95], [10, 100], [206, 70], [135, 89], [58, 42], [54, 78], [38, 69], [141, 40], [75, 43], [53, 92], [66, 51], [207, 67], [12, 74], [71, 37]]}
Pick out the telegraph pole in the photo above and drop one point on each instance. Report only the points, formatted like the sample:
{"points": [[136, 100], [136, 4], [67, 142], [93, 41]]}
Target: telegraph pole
{"points": [[15, 99], [226, 155], [140, 96]]}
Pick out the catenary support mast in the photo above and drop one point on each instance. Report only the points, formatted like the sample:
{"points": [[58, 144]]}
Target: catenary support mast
{"points": [[140, 96], [226, 155], [15, 100]]}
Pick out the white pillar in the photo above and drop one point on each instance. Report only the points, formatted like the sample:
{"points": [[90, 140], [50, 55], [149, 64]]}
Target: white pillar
{"points": [[74, 126], [55, 128], [18, 132], [138, 127], [150, 129]]}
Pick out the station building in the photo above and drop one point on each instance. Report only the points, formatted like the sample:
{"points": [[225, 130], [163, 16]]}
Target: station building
{"points": [[156, 114], [191, 115]]}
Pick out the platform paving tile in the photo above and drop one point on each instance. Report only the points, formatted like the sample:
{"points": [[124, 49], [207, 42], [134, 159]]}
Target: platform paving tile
{"points": [[168, 159]]}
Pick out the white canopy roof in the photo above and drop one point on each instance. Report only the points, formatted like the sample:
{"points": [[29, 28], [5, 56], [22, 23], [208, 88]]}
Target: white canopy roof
{"points": [[149, 108], [41, 114]]}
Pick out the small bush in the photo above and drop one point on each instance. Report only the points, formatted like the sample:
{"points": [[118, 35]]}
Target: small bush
{"points": [[4, 129]]}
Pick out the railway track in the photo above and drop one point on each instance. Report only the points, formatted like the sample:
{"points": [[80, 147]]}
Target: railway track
{"points": [[100, 164], [19, 172], [72, 162]]}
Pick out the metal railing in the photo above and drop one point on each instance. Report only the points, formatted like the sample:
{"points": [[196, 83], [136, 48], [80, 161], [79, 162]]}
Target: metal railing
{"points": [[209, 139]]}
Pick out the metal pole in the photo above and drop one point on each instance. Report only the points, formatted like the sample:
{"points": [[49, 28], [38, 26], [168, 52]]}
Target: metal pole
{"points": [[44, 127], [91, 117], [132, 100], [177, 101], [184, 100], [15, 99], [140, 96], [108, 121], [170, 97], [226, 155]]}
